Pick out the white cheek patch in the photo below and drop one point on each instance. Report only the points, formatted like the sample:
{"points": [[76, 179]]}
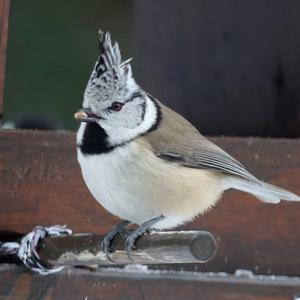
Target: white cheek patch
{"points": [[80, 132], [133, 114], [120, 135]]}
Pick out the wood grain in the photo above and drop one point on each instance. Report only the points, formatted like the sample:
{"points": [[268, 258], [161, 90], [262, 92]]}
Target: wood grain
{"points": [[156, 248], [41, 184], [16, 284], [4, 13]]}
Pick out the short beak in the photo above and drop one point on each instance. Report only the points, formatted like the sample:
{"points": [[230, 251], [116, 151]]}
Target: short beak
{"points": [[86, 115]]}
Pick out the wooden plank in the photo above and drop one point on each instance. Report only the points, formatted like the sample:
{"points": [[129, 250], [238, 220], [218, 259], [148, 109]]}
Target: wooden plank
{"points": [[41, 184], [230, 66], [16, 284], [4, 14]]}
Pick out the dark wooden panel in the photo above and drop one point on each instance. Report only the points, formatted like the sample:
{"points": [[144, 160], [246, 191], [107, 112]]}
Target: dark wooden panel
{"points": [[232, 67], [16, 284], [41, 184], [4, 10]]}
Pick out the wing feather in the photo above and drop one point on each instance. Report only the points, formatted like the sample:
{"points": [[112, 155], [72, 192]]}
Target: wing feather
{"points": [[179, 141]]}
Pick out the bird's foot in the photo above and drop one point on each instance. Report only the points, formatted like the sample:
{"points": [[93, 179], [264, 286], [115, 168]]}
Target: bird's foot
{"points": [[110, 236], [136, 234]]}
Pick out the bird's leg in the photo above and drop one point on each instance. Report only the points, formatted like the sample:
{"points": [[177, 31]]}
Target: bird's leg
{"points": [[134, 236], [109, 237]]}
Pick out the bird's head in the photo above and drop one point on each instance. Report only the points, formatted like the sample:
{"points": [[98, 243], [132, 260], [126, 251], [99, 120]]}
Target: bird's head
{"points": [[114, 100]]}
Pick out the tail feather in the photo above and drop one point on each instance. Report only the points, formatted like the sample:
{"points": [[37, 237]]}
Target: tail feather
{"points": [[264, 191]]}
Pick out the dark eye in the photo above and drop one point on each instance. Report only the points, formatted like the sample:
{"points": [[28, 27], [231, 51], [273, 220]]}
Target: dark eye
{"points": [[116, 106]]}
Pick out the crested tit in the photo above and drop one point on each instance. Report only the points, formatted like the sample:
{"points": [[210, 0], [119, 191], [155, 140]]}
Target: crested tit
{"points": [[145, 163]]}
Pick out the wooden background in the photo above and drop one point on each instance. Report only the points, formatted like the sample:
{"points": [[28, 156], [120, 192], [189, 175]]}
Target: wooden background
{"points": [[41, 184], [110, 285], [231, 67]]}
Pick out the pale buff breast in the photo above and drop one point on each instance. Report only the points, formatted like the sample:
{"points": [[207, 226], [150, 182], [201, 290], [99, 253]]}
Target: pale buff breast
{"points": [[134, 184], [179, 193]]}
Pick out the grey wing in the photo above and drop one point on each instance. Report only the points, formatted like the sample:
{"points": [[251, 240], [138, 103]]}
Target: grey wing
{"points": [[179, 141], [209, 159], [221, 162]]}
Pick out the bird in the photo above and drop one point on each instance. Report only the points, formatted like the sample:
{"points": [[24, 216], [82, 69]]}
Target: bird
{"points": [[144, 162]]}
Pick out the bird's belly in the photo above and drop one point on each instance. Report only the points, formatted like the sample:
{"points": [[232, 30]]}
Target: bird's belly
{"points": [[141, 187]]}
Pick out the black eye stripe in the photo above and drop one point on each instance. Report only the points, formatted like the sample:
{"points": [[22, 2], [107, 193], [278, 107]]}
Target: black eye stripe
{"points": [[134, 95]]}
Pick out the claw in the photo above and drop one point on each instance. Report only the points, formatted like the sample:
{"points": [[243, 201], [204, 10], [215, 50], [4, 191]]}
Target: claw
{"points": [[105, 247], [130, 242], [136, 234], [107, 240]]}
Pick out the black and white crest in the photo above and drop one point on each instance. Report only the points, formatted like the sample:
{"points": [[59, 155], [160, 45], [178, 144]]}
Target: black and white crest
{"points": [[120, 109], [110, 77]]}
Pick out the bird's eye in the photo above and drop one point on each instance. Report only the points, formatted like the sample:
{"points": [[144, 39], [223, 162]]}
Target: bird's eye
{"points": [[116, 106]]}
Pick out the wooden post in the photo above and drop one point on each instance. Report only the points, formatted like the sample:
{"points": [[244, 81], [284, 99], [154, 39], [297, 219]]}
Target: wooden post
{"points": [[154, 248], [4, 13]]}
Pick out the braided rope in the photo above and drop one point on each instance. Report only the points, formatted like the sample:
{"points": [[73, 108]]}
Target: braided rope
{"points": [[26, 249]]}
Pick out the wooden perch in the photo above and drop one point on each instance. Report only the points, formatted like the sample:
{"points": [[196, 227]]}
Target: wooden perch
{"points": [[155, 248]]}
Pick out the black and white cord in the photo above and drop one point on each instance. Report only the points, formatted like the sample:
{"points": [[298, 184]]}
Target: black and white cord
{"points": [[26, 249]]}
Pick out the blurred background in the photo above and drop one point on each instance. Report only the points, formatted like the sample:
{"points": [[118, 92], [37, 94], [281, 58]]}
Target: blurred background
{"points": [[230, 67]]}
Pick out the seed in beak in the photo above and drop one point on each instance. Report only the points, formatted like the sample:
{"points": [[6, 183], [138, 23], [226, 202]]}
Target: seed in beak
{"points": [[80, 115]]}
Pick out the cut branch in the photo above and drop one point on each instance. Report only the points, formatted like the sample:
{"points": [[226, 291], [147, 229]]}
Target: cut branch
{"points": [[155, 248]]}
